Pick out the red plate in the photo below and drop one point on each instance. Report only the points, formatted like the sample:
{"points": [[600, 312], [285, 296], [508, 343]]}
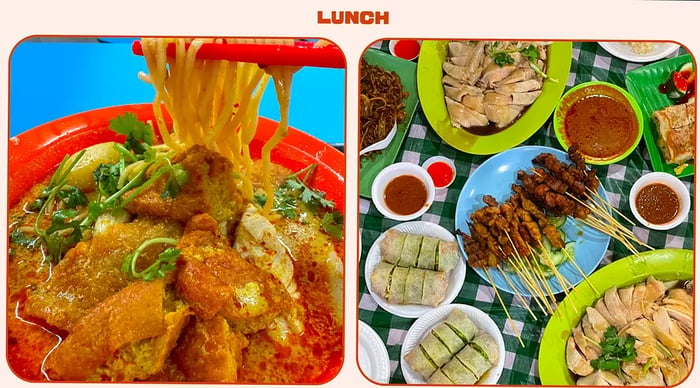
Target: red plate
{"points": [[37, 152]]}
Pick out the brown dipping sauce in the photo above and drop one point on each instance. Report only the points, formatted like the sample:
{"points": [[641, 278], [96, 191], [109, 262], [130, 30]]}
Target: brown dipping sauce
{"points": [[603, 125], [657, 203], [405, 194]]}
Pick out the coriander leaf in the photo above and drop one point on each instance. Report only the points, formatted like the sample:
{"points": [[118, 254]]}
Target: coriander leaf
{"points": [[177, 178], [502, 59], [159, 268], [72, 197], [260, 199], [18, 237], [531, 53], [332, 223], [107, 178], [134, 145], [129, 125]]}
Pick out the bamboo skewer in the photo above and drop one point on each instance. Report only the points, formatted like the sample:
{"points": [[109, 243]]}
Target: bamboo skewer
{"points": [[510, 320], [519, 260], [565, 285], [571, 259], [517, 293], [532, 288]]}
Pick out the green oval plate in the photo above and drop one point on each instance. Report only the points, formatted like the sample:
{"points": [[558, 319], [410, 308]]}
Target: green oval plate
{"points": [[663, 264], [432, 99]]}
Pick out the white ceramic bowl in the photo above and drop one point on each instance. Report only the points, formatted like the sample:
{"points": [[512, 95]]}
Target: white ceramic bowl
{"points": [[669, 180], [443, 159], [387, 175]]}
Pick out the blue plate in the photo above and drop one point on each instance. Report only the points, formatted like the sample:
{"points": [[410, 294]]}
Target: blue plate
{"points": [[495, 177]]}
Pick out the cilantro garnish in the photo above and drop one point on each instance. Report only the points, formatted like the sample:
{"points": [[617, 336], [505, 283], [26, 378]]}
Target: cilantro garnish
{"points": [[504, 57], [59, 201], [294, 190], [615, 350], [157, 270]]}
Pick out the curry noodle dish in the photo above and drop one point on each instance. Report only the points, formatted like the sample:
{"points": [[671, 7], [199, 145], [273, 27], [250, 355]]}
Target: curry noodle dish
{"points": [[174, 255]]}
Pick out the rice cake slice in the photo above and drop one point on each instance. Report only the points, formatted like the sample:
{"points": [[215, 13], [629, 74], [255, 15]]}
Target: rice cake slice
{"points": [[436, 350], [427, 258], [397, 287], [419, 360], [474, 361], [448, 255], [434, 288], [448, 337], [414, 286], [391, 246], [458, 372], [410, 250], [380, 279], [462, 325]]}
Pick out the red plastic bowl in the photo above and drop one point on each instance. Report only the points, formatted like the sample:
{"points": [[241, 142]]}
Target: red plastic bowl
{"points": [[37, 152]]}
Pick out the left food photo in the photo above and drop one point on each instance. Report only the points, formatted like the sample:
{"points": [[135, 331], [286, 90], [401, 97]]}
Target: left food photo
{"points": [[176, 210]]}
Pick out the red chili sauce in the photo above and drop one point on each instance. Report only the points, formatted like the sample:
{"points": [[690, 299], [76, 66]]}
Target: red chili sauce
{"points": [[442, 174], [657, 203], [405, 195], [602, 125], [407, 49]]}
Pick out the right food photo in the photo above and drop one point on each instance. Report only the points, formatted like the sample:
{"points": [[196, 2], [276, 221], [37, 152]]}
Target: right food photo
{"points": [[526, 212]]}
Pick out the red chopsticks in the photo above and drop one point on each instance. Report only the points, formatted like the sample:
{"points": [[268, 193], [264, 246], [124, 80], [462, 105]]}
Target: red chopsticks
{"points": [[302, 53]]}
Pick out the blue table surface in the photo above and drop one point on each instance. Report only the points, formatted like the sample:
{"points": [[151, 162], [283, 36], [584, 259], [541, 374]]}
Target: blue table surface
{"points": [[50, 80]]}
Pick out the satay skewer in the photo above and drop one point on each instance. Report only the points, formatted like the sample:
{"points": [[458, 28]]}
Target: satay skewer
{"points": [[517, 293], [571, 259], [565, 285], [536, 281], [518, 260], [510, 320]]}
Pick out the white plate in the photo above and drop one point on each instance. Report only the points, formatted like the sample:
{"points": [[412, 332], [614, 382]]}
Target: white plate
{"points": [[372, 355], [624, 51], [422, 326], [455, 277]]}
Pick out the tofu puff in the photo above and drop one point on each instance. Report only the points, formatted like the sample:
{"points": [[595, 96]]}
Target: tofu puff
{"points": [[414, 250], [402, 285], [454, 352]]}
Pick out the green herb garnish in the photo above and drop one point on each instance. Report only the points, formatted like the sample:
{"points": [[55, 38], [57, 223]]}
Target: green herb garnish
{"points": [[504, 58], [294, 191], [615, 350], [157, 270]]}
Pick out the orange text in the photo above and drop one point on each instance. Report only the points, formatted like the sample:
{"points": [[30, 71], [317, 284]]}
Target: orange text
{"points": [[353, 17]]}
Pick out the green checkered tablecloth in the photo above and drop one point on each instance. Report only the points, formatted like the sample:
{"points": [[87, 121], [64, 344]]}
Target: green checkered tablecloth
{"points": [[589, 62]]}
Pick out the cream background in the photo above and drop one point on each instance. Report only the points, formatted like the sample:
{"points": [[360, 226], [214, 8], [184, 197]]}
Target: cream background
{"points": [[544, 20]]}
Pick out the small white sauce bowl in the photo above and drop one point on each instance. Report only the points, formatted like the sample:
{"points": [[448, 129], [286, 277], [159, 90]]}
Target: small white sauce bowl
{"points": [[671, 181], [387, 175], [448, 161]]}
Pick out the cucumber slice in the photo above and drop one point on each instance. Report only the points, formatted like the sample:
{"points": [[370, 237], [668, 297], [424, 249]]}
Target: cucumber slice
{"points": [[557, 257], [571, 248], [557, 221]]}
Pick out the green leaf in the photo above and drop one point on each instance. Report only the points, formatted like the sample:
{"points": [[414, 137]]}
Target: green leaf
{"points": [[128, 124], [332, 223], [18, 237], [177, 178], [260, 199], [157, 270], [503, 58], [107, 177], [72, 197], [531, 53]]}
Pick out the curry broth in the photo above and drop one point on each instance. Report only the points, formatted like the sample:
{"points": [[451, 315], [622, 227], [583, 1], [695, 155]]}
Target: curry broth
{"points": [[312, 356]]}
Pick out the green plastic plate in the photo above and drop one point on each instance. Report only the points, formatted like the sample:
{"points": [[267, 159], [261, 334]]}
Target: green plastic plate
{"points": [[371, 166], [643, 84], [663, 264]]}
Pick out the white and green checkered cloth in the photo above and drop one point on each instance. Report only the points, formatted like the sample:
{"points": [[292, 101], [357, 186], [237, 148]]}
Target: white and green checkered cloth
{"points": [[589, 62]]}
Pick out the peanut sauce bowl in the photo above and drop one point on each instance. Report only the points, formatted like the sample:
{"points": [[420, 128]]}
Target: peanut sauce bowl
{"points": [[601, 119], [403, 191], [655, 209]]}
